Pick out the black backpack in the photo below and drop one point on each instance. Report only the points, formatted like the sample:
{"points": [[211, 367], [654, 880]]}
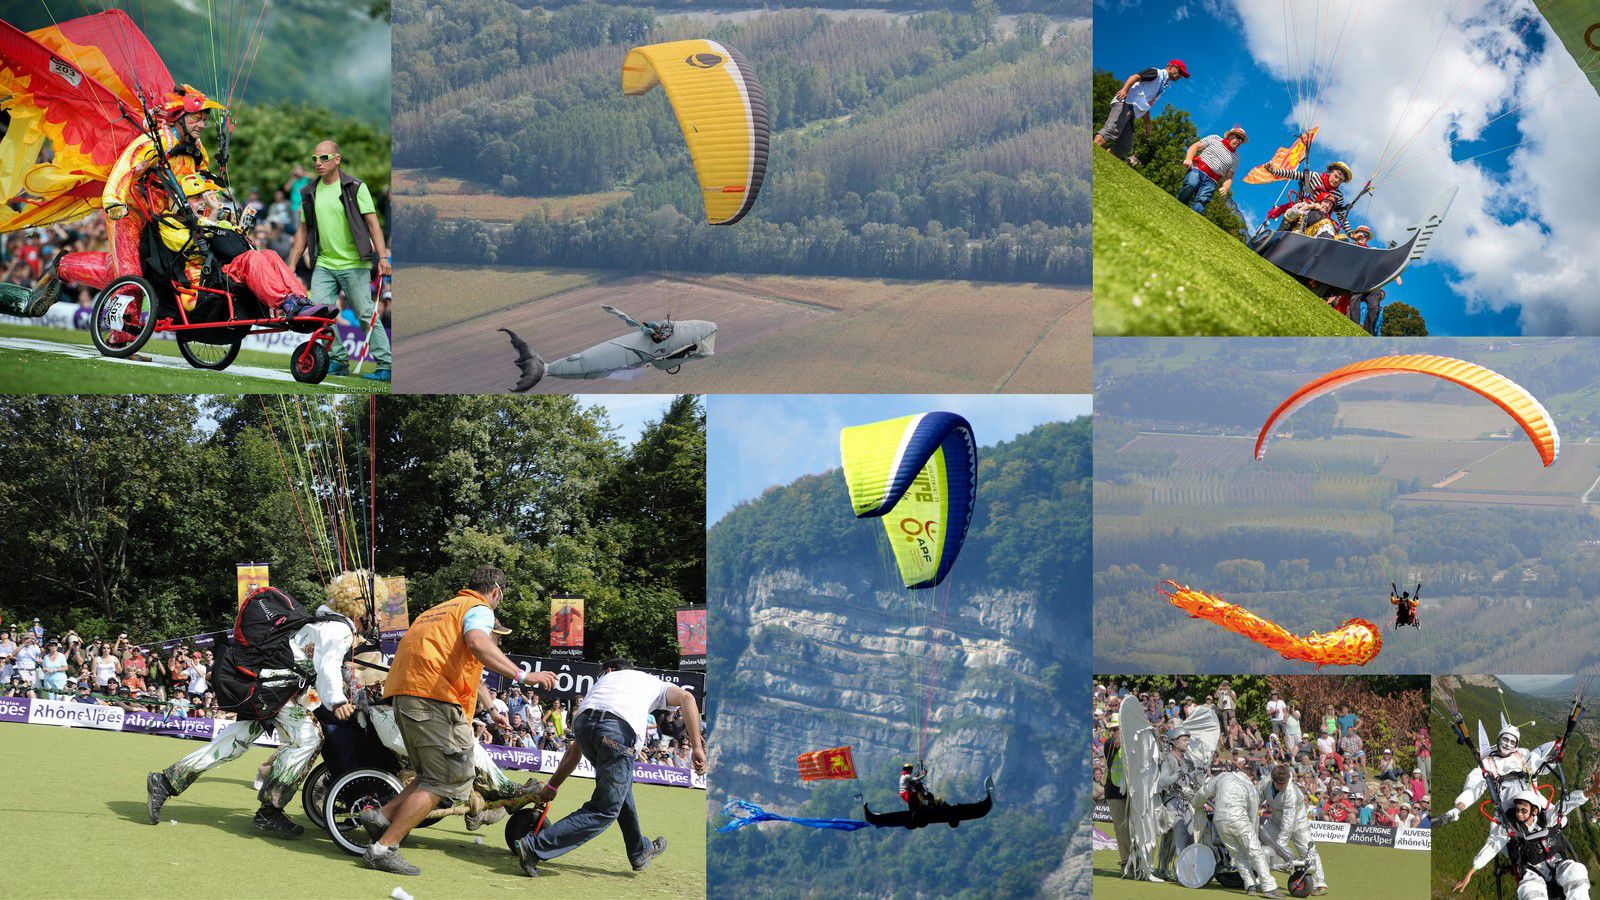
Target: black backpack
{"points": [[267, 621]]}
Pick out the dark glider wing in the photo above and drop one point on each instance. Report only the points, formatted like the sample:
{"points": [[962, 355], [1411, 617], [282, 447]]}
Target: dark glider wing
{"points": [[529, 362], [950, 814], [1343, 267]]}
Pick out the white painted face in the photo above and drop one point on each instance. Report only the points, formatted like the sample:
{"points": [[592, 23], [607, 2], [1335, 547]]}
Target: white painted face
{"points": [[1508, 743]]}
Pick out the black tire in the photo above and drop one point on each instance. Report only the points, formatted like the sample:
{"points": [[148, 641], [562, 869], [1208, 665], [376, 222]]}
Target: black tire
{"points": [[309, 363], [527, 820], [206, 355], [347, 797], [126, 297], [314, 792]]}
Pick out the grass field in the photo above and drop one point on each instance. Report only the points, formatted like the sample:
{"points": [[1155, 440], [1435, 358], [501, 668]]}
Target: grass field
{"points": [[1159, 269], [57, 361], [1352, 871], [447, 295], [79, 793], [456, 198], [1437, 418]]}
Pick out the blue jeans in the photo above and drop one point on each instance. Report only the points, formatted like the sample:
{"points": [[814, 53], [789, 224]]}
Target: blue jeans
{"points": [[608, 746], [1197, 190], [356, 285]]}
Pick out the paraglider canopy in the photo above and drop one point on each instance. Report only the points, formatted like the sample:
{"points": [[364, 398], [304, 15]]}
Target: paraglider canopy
{"points": [[723, 113]]}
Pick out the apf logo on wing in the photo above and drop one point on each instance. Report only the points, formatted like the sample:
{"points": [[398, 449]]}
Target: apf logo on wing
{"points": [[704, 60]]}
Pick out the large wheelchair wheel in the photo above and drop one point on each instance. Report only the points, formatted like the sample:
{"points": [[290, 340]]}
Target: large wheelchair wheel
{"points": [[315, 792], [347, 797], [124, 317], [208, 355], [309, 363]]}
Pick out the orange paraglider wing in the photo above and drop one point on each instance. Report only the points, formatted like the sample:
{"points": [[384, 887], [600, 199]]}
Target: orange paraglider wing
{"points": [[82, 86], [1502, 391], [1355, 643], [833, 763], [1289, 157]]}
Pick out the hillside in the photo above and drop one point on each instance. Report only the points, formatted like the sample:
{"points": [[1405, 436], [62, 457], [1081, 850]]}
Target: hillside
{"points": [[931, 146], [811, 649], [1159, 269], [1479, 701]]}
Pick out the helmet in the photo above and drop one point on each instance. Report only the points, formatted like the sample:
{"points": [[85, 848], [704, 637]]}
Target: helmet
{"points": [[906, 767], [1343, 169], [1514, 731], [196, 184], [1532, 798], [186, 99]]}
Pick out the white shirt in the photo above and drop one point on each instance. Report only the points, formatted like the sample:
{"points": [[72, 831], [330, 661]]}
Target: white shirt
{"points": [[28, 658], [1144, 94], [197, 678], [326, 644], [630, 695], [1276, 709]]}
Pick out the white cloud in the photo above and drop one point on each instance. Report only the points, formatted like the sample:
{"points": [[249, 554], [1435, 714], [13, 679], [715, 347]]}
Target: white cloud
{"points": [[1525, 237]]}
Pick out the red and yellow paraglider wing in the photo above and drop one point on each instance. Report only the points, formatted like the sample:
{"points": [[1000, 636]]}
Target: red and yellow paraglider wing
{"points": [[1289, 158], [1522, 406], [1355, 643], [82, 86]]}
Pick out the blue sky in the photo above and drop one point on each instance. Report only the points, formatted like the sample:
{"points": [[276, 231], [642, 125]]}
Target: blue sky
{"points": [[629, 412], [761, 441], [1516, 254]]}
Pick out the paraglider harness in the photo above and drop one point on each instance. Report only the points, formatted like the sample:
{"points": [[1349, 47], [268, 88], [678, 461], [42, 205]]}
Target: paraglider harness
{"points": [[1516, 860], [1405, 606], [255, 674], [914, 792]]}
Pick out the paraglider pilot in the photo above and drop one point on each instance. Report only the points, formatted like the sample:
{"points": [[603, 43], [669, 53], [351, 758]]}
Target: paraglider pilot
{"points": [[1405, 605], [913, 791]]}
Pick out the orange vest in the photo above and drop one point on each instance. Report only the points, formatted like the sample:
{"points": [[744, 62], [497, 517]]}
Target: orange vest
{"points": [[434, 661]]}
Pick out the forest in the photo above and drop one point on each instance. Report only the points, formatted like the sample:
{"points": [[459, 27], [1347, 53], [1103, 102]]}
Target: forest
{"points": [[132, 517], [1030, 533], [929, 146]]}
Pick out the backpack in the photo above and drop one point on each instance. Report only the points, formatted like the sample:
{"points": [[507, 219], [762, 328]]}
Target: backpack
{"points": [[267, 622]]}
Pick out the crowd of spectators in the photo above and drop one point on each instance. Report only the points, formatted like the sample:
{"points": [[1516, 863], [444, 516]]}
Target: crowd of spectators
{"points": [[1346, 779], [26, 255], [115, 672]]}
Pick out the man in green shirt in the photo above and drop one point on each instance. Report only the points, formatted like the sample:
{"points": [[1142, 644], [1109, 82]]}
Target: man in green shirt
{"points": [[339, 226]]}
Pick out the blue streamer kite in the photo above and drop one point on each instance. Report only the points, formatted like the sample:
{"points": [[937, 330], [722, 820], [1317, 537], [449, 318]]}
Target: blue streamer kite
{"points": [[743, 812]]}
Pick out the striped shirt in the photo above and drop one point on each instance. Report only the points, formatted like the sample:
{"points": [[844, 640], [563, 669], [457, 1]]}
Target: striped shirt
{"points": [[1219, 161]]}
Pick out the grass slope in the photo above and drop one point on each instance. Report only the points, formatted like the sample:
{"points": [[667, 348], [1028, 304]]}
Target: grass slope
{"points": [[93, 796], [1161, 270], [1352, 871]]}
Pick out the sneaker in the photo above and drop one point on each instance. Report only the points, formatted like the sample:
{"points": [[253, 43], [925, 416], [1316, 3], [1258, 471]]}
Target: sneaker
{"points": [[159, 791], [530, 863], [380, 375], [1319, 890], [657, 847], [338, 367], [487, 817], [272, 820], [388, 861], [294, 306], [373, 821]]}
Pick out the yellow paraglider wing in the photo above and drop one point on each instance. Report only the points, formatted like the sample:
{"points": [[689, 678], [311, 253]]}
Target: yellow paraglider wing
{"points": [[919, 474], [723, 114]]}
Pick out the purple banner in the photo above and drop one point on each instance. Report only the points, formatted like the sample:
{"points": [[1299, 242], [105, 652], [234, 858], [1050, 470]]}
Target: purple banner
{"points": [[13, 709], [201, 729], [545, 761]]}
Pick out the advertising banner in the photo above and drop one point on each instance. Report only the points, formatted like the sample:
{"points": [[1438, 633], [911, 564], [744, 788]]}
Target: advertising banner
{"points": [[251, 576], [692, 637], [566, 626], [574, 677], [394, 617]]}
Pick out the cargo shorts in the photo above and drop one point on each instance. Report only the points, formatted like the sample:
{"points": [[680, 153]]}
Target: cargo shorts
{"points": [[439, 740]]}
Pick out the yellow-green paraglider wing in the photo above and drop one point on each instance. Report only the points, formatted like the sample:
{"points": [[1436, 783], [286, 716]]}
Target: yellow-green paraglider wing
{"points": [[1577, 24], [723, 114], [919, 474]]}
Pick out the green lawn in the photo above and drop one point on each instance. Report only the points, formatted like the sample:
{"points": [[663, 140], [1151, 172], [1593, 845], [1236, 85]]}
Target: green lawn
{"points": [[65, 362], [1159, 269], [1352, 871], [79, 794]]}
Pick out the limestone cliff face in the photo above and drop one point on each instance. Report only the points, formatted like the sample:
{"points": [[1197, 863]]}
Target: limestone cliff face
{"points": [[830, 658]]}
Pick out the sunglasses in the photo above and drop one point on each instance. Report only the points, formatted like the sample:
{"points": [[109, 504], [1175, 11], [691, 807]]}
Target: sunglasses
{"points": [[323, 157]]}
